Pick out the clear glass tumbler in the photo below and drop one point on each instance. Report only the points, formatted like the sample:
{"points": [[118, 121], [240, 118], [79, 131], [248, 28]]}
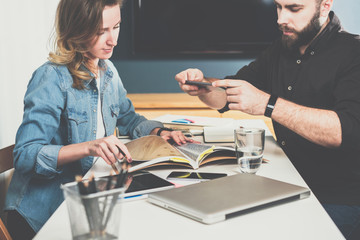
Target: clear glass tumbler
{"points": [[249, 146]]}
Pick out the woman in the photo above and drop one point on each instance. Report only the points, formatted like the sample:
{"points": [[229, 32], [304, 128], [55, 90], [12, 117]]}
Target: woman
{"points": [[72, 105]]}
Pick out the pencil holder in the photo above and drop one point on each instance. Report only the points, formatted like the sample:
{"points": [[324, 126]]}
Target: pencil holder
{"points": [[95, 215]]}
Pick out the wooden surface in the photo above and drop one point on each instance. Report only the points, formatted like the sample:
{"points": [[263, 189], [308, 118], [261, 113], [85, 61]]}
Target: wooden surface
{"points": [[152, 105], [6, 158], [4, 234]]}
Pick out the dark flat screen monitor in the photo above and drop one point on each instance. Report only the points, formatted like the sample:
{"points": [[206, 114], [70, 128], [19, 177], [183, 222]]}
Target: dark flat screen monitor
{"points": [[203, 26]]}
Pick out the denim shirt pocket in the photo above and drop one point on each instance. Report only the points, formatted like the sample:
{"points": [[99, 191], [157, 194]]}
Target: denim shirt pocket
{"points": [[114, 109], [114, 114], [78, 127]]}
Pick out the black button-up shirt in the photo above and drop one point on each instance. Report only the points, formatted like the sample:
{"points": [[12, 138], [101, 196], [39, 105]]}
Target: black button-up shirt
{"points": [[327, 76]]}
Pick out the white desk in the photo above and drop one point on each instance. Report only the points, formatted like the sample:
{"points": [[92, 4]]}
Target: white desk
{"points": [[301, 219]]}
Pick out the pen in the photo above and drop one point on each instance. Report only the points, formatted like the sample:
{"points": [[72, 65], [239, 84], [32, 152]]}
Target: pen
{"points": [[118, 160], [122, 152], [192, 121], [136, 197]]}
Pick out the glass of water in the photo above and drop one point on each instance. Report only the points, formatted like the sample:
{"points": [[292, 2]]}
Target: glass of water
{"points": [[249, 146]]}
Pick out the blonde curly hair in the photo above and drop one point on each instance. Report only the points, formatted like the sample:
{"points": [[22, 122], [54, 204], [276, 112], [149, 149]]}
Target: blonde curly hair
{"points": [[77, 23]]}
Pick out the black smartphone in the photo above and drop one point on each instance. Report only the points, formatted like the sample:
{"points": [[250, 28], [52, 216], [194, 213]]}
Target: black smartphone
{"points": [[201, 84], [200, 176], [197, 83]]}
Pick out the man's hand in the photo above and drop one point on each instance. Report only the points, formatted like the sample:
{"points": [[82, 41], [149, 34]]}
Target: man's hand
{"points": [[243, 96], [192, 75]]}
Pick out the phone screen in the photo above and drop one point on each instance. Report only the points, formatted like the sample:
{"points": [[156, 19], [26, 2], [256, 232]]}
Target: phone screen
{"points": [[195, 175]]}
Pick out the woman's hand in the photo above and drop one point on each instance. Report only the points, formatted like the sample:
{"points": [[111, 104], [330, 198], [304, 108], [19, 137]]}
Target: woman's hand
{"points": [[177, 136], [109, 148]]}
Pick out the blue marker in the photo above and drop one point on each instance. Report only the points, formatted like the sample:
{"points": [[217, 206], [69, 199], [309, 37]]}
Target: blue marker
{"points": [[181, 121]]}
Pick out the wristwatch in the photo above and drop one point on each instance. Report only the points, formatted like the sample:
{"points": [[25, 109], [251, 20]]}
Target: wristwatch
{"points": [[164, 129], [270, 106]]}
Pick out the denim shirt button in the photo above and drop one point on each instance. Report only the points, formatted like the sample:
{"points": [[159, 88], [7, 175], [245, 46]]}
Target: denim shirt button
{"points": [[94, 110]]}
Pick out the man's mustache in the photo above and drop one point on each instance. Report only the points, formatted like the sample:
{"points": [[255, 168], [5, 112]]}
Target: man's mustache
{"points": [[284, 28]]}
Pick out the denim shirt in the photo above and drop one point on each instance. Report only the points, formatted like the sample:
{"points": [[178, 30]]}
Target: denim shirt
{"points": [[56, 114]]}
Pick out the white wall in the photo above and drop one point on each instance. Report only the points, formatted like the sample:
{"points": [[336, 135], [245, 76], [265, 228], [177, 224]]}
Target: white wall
{"points": [[24, 45]]}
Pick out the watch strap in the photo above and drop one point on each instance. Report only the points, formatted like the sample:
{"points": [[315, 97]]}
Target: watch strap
{"points": [[164, 129], [270, 105]]}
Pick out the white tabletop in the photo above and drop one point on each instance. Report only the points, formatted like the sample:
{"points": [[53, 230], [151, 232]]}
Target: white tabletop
{"points": [[300, 219]]}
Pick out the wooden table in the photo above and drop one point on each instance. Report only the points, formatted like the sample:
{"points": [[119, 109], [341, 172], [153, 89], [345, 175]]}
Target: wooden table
{"points": [[152, 105]]}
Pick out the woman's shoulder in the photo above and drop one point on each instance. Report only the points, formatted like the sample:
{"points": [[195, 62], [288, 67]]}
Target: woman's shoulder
{"points": [[53, 73]]}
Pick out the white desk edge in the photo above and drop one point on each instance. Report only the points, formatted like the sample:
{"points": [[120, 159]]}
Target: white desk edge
{"points": [[301, 219]]}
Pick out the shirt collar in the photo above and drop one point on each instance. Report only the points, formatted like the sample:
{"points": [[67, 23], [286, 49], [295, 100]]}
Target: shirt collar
{"points": [[103, 67], [331, 28]]}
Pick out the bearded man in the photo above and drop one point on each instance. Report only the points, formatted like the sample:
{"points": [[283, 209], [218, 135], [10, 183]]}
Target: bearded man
{"points": [[308, 82]]}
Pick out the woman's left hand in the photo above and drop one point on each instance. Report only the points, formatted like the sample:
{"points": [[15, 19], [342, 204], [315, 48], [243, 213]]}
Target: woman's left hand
{"points": [[177, 136]]}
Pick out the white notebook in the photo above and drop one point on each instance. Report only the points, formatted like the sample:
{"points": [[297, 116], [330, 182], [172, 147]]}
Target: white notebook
{"points": [[216, 200]]}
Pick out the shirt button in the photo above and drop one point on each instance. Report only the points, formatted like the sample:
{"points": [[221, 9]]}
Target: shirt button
{"points": [[283, 143], [94, 90], [94, 110], [312, 53], [298, 61], [94, 132], [289, 88]]}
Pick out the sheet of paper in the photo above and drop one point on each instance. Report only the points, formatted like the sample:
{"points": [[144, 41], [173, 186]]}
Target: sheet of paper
{"points": [[197, 121], [226, 133]]}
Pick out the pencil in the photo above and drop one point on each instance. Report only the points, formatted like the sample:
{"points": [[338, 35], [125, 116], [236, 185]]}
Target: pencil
{"points": [[115, 168], [122, 152], [86, 202], [82, 188]]}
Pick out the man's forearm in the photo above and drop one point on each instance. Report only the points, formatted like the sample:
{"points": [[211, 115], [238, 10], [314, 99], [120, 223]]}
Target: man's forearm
{"points": [[319, 126]]}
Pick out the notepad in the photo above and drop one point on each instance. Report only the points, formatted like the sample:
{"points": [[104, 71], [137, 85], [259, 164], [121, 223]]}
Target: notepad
{"points": [[217, 200]]}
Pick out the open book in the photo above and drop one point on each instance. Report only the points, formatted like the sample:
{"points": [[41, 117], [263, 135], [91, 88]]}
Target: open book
{"points": [[151, 151]]}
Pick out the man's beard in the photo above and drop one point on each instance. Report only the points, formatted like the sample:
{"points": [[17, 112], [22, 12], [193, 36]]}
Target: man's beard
{"points": [[303, 37]]}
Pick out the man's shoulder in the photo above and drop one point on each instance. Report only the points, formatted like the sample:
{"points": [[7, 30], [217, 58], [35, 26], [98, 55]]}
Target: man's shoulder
{"points": [[347, 39]]}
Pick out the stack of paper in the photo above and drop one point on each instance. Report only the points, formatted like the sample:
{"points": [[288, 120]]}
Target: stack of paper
{"points": [[226, 133], [195, 120]]}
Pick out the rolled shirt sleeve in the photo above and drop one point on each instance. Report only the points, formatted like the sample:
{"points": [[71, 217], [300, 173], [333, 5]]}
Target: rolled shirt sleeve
{"points": [[42, 109]]}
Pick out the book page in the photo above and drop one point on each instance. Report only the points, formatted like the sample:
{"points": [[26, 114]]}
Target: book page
{"points": [[195, 151], [151, 147], [154, 151]]}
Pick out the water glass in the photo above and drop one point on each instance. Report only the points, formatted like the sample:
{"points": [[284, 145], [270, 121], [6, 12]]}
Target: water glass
{"points": [[249, 146]]}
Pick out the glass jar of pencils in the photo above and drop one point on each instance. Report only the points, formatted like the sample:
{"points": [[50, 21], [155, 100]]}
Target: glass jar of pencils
{"points": [[94, 207]]}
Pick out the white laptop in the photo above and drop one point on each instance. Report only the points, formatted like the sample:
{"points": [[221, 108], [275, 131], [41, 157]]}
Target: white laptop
{"points": [[216, 200]]}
